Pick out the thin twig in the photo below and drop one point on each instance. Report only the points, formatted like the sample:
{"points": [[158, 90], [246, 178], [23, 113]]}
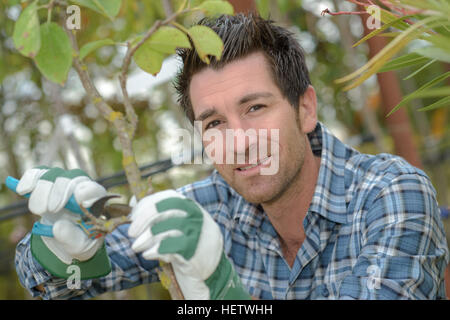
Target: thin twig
{"points": [[327, 11], [167, 7], [104, 226], [370, 3], [130, 113]]}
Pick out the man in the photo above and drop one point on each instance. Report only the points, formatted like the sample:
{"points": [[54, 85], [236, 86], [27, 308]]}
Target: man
{"points": [[330, 223]]}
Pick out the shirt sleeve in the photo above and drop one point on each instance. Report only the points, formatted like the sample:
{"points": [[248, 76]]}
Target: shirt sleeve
{"points": [[404, 251], [128, 270]]}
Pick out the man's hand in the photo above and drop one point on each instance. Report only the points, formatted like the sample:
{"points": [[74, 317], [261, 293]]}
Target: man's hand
{"points": [[50, 190], [169, 227]]}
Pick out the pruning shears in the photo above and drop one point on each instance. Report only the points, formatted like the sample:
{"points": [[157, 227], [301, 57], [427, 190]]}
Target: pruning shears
{"points": [[96, 221]]}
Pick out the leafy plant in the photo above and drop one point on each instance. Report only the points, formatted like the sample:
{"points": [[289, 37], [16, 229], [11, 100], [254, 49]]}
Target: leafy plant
{"points": [[426, 20], [53, 46]]}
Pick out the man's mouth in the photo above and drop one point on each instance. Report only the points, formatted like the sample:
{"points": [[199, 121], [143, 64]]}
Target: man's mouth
{"points": [[251, 166]]}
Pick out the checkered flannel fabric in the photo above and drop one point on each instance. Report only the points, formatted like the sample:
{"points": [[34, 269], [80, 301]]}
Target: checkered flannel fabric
{"points": [[373, 231]]}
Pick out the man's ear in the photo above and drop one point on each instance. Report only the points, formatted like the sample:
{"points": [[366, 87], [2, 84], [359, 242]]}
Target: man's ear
{"points": [[308, 110]]}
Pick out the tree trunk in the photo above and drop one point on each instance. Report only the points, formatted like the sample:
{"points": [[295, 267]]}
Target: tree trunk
{"points": [[398, 123], [243, 6]]}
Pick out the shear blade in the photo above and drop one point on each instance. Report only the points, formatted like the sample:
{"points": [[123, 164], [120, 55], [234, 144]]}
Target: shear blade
{"points": [[98, 208]]}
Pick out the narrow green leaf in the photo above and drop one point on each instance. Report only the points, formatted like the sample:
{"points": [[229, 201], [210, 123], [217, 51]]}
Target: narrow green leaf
{"points": [[444, 102], [439, 41], [389, 34], [26, 36], [426, 5], [55, 56], [426, 65], [377, 65], [394, 21], [434, 53], [432, 92], [151, 54], [427, 85], [406, 60], [94, 45], [206, 42], [381, 29], [216, 7], [378, 62], [394, 46]]}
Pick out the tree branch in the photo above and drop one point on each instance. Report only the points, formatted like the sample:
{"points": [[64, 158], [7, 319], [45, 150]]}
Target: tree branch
{"points": [[125, 131], [130, 113], [167, 7], [114, 117]]}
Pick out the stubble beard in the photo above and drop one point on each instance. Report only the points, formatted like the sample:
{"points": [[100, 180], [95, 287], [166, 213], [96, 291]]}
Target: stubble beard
{"points": [[267, 189]]}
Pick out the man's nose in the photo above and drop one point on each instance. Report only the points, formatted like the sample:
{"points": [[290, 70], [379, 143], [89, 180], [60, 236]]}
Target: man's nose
{"points": [[241, 138]]}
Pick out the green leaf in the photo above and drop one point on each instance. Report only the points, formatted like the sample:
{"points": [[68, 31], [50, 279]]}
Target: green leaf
{"points": [[444, 102], [108, 8], [439, 41], [434, 53], [26, 36], [216, 7], [414, 94], [167, 39], [394, 21], [263, 7], [150, 61], [403, 61], [151, 54], [88, 4], [377, 61], [426, 5], [426, 65], [55, 57], [432, 92], [206, 42], [381, 29], [94, 45]]}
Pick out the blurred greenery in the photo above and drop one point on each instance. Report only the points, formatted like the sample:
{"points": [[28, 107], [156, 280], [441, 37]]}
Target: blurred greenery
{"points": [[32, 108]]}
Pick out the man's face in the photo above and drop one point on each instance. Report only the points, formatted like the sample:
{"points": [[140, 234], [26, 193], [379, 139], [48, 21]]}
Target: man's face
{"points": [[243, 96]]}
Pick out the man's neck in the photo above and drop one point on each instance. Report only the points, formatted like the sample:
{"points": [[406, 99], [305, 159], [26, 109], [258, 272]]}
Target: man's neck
{"points": [[288, 212]]}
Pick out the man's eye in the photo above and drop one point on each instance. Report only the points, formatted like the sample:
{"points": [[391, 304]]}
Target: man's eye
{"points": [[255, 107], [212, 124]]}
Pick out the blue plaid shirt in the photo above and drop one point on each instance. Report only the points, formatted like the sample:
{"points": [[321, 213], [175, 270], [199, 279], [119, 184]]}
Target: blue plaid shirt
{"points": [[373, 231]]}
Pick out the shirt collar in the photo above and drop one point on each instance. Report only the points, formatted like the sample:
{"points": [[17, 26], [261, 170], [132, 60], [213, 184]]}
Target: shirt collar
{"points": [[328, 200]]}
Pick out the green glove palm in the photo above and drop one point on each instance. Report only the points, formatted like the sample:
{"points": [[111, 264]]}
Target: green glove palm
{"points": [[169, 227]]}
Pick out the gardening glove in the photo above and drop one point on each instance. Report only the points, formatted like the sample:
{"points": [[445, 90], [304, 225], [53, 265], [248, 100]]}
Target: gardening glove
{"points": [[177, 230], [50, 189]]}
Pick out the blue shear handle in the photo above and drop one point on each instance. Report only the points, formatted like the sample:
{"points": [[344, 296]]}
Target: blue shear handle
{"points": [[71, 205], [40, 229]]}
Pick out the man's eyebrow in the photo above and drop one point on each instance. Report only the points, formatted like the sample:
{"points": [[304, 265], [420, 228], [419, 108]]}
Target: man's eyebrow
{"points": [[254, 96], [206, 114], [249, 97]]}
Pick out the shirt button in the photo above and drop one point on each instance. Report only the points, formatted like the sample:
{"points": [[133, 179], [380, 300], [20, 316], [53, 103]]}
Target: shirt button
{"points": [[325, 292]]}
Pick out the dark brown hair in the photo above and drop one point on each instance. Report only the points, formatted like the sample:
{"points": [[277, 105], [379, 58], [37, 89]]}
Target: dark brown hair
{"points": [[243, 35]]}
